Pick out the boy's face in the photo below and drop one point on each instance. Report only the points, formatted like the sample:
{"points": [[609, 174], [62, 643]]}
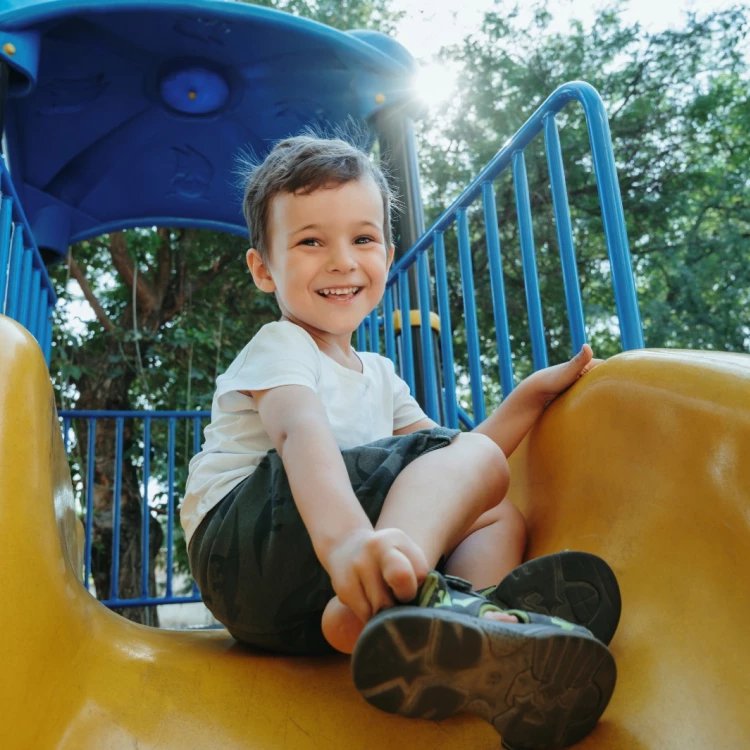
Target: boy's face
{"points": [[327, 261]]}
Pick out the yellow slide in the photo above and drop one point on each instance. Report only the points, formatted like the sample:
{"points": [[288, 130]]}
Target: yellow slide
{"points": [[645, 462]]}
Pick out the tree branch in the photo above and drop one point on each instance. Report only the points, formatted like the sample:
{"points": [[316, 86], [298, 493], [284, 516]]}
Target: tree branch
{"points": [[77, 273], [123, 263]]}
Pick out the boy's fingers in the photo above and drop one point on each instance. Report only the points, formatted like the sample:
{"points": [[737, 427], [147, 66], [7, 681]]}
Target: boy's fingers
{"points": [[377, 593], [398, 573]]}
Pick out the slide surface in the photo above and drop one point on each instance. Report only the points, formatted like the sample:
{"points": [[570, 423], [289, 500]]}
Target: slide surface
{"points": [[646, 461]]}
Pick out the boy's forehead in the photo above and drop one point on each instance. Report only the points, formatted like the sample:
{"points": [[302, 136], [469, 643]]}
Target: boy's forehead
{"points": [[350, 202]]}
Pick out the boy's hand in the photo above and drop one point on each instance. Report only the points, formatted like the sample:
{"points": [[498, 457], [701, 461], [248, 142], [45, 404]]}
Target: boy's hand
{"points": [[552, 381], [369, 568]]}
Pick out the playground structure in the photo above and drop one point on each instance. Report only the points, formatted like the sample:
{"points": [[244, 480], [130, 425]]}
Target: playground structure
{"points": [[646, 463]]}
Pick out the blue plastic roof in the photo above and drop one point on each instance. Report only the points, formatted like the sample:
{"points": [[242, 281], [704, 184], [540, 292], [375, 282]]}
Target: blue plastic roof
{"points": [[132, 113]]}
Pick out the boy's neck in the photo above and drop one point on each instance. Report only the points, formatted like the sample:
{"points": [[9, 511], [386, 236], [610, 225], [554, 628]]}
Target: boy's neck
{"points": [[337, 347]]}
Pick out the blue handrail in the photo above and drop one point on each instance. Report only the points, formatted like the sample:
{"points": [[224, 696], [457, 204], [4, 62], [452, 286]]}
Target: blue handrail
{"points": [[92, 418], [26, 292], [511, 156]]}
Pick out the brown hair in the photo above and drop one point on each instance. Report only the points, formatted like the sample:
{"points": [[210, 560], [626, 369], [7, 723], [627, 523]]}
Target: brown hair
{"points": [[304, 164]]}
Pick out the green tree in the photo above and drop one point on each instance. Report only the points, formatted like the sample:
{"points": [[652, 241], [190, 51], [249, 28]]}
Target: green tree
{"points": [[678, 104]]}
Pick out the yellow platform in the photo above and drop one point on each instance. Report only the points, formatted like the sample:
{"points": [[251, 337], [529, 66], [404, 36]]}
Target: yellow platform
{"points": [[645, 462]]}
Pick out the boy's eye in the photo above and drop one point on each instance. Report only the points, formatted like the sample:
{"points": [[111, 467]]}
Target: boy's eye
{"points": [[364, 240], [310, 241]]}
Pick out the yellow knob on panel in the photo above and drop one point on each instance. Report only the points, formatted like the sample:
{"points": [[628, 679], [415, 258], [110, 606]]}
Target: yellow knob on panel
{"points": [[9, 49], [379, 98]]}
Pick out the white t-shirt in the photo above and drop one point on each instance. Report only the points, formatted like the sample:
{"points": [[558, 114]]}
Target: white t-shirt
{"points": [[361, 408]]}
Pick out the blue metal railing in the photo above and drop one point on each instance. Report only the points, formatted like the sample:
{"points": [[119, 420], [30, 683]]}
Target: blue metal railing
{"points": [[165, 481], [26, 292], [511, 156]]}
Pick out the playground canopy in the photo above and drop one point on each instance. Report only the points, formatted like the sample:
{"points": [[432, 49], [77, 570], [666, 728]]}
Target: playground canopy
{"points": [[133, 112]]}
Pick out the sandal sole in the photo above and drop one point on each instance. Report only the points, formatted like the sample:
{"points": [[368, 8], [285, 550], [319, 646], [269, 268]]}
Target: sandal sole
{"points": [[576, 586], [538, 685]]}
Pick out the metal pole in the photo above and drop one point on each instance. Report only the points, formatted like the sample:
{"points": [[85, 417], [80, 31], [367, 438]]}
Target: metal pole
{"points": [[398, 147], [4, 75]]}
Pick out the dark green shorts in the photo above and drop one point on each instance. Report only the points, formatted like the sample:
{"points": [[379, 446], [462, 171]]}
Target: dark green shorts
{"points": [[253, 559]]}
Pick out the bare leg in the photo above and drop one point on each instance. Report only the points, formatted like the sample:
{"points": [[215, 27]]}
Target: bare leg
{"points": [[492, 549], [437, 499]]}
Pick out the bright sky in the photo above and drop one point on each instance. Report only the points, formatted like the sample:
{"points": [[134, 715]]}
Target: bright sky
{"points": [[432, 24]]}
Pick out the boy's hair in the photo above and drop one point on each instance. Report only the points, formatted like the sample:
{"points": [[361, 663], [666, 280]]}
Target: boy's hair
{"points": [[303, 164]]}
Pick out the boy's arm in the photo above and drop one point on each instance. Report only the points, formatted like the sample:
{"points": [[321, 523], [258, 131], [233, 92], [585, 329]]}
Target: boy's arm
{"points": [[296, 422]]}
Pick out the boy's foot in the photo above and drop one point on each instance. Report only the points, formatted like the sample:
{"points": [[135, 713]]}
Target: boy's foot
{"points": [[542, 682], [575, 586]]}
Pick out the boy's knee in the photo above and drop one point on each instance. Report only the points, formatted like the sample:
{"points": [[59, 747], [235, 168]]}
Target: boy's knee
{"points": [[489, 462]]}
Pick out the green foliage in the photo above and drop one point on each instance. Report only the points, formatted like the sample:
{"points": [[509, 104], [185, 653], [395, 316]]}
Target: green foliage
{"points": [[678, 107]]}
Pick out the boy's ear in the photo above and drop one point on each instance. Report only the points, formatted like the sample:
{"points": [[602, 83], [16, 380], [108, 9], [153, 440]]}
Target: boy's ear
{"points": [[388, 262], [261, 274]]}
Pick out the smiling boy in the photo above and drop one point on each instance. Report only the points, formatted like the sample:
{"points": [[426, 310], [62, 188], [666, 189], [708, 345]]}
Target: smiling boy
{"points": [[324, 502]]}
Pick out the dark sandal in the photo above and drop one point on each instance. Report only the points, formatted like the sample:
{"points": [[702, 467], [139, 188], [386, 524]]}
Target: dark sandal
{"points": [[542, 682], [575, 586]]}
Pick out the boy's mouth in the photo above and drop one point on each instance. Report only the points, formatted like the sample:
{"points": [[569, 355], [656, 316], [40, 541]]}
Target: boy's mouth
{"points": [[340, 293]]}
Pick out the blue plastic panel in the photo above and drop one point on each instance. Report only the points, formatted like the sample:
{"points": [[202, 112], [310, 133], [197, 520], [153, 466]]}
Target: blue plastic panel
{"points": [[140, 107]]}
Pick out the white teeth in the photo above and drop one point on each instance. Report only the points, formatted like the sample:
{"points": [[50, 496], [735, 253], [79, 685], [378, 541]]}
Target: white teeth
{"points": [[342, 291]]}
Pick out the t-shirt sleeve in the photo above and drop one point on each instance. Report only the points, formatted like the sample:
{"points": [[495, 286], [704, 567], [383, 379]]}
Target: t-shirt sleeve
{"points": [[406, 410], [279, 354]]}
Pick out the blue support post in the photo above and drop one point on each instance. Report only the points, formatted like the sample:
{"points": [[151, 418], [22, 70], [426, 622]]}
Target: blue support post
{"points": [[390, 336], [407, 355], [114, 591], [374, 331], [6, 223], [14, 272], [564, 233], [41, 317], [172, 423], [31, 312], [425, 329], [446, 332], [499, 306], [90, 459], [361, 341], [470, 314], [530, 278], [25, 289], [145, 509]]}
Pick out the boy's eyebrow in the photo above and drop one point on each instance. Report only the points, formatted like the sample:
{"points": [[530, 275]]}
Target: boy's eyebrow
{"points": [[364, 222]]}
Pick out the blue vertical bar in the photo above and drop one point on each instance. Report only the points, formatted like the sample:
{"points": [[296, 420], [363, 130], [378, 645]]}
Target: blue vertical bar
{"points": [[361, 341], [145, 510], [470, 314], [390, 336], [374, 331], [6, 218], [116, 509], [446, 332], [613, 218], [66, 430], [48, 334], [196, 435], [196, 449], [530, 278], [172, 422], [499, 307], [425, 329], [407, 354], [90, 459], [31, 313], [14, 273], [41, 316], [564, 233], [25, 290]]}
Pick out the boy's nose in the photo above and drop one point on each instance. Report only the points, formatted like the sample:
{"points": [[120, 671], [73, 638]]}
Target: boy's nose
{"points": [[342, 258]]}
